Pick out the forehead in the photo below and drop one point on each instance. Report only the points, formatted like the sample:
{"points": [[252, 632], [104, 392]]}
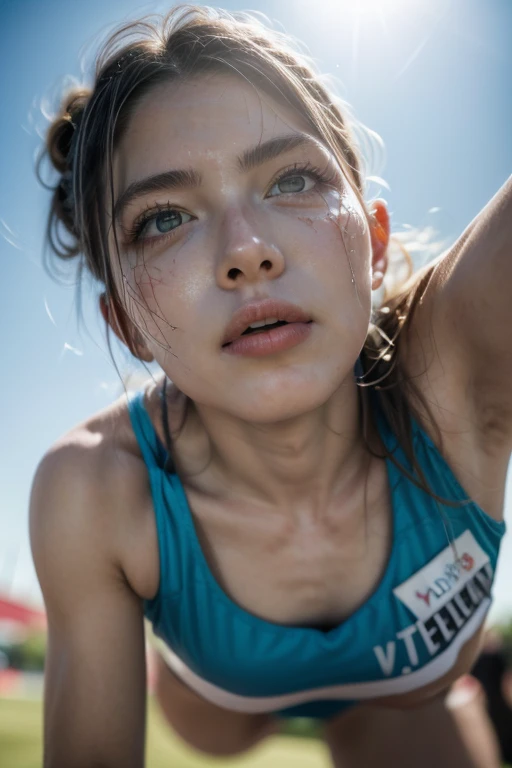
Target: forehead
{"points": [[207, 117]]}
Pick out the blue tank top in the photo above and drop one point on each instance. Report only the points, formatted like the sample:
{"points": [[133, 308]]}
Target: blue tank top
{"points": [[433, 596]]}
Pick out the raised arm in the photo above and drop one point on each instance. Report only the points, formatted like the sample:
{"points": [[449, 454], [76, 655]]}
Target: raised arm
{"points": [[472, 310], [95, 694]]}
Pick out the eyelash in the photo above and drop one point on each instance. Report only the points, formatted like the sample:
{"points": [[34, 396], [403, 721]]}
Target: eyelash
{"points": [[307, 169]]}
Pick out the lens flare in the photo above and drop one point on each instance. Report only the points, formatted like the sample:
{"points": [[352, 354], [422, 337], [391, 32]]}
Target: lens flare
{"points": [[378, 7]]}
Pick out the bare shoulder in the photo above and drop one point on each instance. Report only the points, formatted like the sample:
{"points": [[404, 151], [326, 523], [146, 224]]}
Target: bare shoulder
{"points": [[99, 463], [470, 436], [100, 455]]}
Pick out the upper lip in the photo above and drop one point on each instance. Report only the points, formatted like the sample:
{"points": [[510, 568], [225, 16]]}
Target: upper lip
{"points": [[260, 310]]}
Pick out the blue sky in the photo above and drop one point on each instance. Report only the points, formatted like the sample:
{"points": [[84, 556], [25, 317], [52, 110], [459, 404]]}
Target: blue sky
{"points": [[431, 78]]}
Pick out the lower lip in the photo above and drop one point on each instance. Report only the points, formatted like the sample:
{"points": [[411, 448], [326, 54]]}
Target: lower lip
{"points": [[270, 342]]}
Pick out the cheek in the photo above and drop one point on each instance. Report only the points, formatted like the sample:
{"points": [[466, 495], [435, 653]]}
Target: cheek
{"points": [[355, 233], [166, 292], [151, 295], [337, 248], [356, 251], [335, 245], [150, 279]]}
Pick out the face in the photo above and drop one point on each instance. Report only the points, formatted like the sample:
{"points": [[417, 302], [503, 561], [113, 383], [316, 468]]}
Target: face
{"points": [[236, 226]]}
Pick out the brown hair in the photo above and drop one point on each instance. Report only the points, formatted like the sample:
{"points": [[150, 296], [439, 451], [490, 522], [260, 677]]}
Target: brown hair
{"points": [[190, 41]]}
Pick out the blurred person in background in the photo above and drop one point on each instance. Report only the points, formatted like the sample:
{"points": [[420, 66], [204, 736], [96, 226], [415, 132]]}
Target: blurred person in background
{"points": [[492, 671]]}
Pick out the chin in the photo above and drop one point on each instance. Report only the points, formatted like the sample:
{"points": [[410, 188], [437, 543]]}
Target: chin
{"points": [[281, 402]]}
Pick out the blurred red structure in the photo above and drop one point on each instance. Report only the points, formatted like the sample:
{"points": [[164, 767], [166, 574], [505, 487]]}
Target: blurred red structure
{"points": [[17, 621], [13, 613]]}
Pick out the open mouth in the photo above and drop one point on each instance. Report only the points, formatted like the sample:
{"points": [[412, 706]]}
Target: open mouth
{"points": [[264, 318], [274, 338], [264, 327]]}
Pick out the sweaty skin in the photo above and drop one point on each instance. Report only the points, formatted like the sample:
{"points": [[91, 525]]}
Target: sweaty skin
{"points": [[280, 427], [286, 502]]}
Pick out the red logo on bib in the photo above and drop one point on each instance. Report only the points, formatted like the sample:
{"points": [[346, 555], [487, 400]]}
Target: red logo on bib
{"points": [[467, 562]]}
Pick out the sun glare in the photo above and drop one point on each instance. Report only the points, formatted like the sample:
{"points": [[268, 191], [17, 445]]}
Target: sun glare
{"points": [[378, 7]]}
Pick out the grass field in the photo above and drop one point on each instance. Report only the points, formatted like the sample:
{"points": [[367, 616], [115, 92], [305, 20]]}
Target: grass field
{"points": [[21, 744]]}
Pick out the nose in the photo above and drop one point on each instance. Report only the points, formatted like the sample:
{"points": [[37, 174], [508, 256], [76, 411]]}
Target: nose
{"points": [[246, 254]]}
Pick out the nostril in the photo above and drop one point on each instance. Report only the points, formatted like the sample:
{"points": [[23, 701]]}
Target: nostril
{"points": [[233, 273], [266, 264]]}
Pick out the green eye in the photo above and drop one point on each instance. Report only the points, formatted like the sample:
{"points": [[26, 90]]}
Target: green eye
{"points": [[299, 182], [168, 220], [293, 184], [162, 223]]}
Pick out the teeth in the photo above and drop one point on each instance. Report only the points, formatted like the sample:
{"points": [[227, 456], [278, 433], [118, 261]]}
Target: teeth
{"points": [[261, 323]]}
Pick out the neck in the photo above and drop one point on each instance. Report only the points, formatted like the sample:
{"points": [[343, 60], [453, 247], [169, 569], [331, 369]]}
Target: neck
{"points": [[297, 467]]}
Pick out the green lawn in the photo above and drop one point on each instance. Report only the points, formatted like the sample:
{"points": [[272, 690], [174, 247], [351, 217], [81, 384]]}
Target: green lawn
{"points": [[21, 744]]}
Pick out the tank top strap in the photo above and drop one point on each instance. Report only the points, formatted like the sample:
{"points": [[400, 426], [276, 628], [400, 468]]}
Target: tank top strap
{"points": [[170, 508], [412, 506], [169, 465]]}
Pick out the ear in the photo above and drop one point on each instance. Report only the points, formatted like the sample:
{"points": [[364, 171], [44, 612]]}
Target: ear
{"points": [[379, 233], [136, 344]]}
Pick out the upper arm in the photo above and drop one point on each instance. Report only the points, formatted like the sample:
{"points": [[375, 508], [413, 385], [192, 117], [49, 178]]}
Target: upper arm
{"points": [[472, 311], [95, 692]]}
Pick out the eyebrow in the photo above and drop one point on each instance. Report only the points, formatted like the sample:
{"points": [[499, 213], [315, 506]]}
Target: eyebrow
{"points": [[179, 179], [190, 178], [271, 149]]}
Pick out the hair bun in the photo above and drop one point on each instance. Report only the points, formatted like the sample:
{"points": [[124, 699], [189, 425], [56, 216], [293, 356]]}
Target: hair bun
{"points": [[61, 229], [61, 131]]}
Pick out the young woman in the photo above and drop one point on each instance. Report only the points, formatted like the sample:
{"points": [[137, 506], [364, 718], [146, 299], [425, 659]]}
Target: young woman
{"points": [[307, 505]]}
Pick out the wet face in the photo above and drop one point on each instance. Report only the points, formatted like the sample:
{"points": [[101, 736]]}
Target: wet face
{"points": [[251, 207]]}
